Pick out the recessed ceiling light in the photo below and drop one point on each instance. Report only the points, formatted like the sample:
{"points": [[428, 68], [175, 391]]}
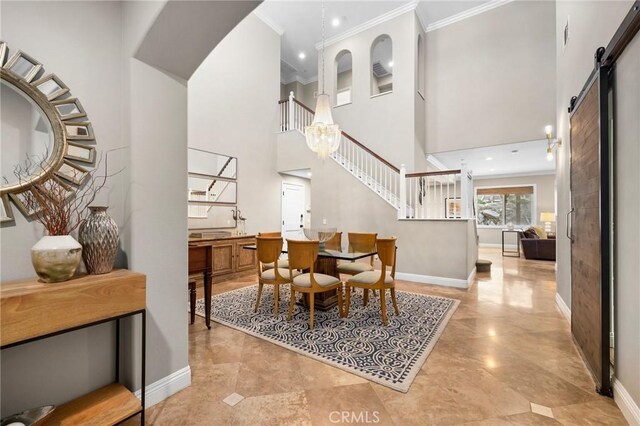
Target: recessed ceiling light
{"points": [[391, 64], [492, 170], [515, 151], [309, 174], [335, 22], [489, 158], [302, 55]]}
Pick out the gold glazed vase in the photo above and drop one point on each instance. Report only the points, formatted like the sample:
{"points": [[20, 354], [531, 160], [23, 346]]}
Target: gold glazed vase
{"points": [[98, 235], [56, 258]]}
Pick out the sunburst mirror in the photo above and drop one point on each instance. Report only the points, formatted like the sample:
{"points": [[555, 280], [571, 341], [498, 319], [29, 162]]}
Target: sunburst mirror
{"points": [[47, 138]]}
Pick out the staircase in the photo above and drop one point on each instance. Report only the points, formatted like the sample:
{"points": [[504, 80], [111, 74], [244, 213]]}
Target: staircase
{"points": [[446, 194]]}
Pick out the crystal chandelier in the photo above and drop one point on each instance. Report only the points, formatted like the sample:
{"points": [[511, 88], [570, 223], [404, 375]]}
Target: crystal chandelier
{"points": [[323, 136]]}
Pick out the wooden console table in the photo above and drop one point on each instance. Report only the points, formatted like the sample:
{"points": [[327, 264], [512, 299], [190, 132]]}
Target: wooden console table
{"points": [[32, 310]]}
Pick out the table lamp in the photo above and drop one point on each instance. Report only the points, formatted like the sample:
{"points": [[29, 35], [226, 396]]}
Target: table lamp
{"points": [[547, 218]]}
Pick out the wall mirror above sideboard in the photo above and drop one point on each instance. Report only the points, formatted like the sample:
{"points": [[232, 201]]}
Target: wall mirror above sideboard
{"points": [[212, 190]]}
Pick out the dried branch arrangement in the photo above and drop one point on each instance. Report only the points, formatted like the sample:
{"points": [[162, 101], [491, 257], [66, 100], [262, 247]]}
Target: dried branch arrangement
{"points": [[59, 207]]}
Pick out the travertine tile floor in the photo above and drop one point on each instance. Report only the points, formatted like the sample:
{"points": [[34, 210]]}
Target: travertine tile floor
{"points": [[506, 347]]}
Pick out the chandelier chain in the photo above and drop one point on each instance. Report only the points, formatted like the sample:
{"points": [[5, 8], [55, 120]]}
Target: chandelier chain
{"points": [[323, 46]]}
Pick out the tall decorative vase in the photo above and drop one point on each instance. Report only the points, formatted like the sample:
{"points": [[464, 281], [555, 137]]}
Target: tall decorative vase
{"points": [[56, 258], [98, 235]]}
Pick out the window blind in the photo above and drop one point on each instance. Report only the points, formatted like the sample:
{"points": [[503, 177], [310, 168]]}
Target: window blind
{"points": [[517, 190]]}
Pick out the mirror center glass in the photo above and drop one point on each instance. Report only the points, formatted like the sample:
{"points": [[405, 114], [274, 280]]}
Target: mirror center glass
{"points": [[27, 136]]}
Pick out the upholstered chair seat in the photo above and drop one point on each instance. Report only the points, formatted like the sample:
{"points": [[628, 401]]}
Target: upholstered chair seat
{"points": [[323, 280], [270, 274], [282, 263], [371, 277], [354, 268]]}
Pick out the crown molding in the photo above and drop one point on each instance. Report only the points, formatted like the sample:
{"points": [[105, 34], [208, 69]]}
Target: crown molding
{"points": [[299, 79], [408, 7], [514, 175], [492, 4], [275, 27]]}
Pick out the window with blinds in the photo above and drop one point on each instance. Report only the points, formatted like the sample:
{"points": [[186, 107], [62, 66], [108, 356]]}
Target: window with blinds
{"points": [[500, 206]]}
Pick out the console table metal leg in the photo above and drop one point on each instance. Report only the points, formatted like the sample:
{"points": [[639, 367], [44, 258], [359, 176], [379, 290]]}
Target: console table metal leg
{"points": [[144, 364], [118, 350]]}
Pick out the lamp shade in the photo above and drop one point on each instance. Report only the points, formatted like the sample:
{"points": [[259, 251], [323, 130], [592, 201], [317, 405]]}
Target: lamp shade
{"points": [[547, 217]]}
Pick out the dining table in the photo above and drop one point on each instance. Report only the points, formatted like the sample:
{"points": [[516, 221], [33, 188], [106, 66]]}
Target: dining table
{"points": [[327, 263]]}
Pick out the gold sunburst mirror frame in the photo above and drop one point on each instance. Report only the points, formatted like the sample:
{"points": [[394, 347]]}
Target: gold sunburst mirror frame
{"points": [[73, 138]]}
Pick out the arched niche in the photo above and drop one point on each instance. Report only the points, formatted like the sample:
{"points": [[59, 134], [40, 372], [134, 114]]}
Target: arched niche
{"points": [[381, 65], [343, 77]]}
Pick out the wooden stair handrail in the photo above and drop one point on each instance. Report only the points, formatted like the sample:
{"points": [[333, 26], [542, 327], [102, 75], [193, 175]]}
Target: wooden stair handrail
{"points": [[438, 173], [378, 157]]}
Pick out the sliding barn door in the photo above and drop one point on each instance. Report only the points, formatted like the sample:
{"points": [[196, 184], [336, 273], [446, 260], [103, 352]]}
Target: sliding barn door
{"points": [[589, 228]]}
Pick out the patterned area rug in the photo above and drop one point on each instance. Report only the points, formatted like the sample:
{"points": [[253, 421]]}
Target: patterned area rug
{"points": [[391, 355]]}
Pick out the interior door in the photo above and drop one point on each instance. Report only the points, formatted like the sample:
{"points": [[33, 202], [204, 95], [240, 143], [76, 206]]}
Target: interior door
{"points": [[589, 228], [293, 209]]}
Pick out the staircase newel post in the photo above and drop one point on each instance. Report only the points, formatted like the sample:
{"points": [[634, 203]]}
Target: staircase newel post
{"points": [[402, 211], [465, 189], [290, 116]]}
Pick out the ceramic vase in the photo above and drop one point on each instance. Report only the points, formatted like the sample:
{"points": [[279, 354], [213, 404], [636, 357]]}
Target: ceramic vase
{"points": [[56, 258], [98, 235]]}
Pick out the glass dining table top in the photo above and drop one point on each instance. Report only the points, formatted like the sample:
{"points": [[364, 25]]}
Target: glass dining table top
{"points": [[342, 254]]}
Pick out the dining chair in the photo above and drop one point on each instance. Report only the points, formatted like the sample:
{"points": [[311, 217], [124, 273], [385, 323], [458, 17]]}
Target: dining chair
{"points": [[269, 249], [359, 242], [303, 255], [335, 243], [282, 263], [382, 280]]}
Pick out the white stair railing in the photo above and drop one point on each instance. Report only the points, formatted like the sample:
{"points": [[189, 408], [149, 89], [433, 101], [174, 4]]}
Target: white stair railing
{"points": [[431, 195]]}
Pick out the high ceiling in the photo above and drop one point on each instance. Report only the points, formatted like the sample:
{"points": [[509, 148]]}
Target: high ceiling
{"points": [[520, 158], [300, 22]]}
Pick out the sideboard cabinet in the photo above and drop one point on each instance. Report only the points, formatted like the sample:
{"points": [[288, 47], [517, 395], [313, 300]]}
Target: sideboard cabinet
{"points": [[230, 259]]}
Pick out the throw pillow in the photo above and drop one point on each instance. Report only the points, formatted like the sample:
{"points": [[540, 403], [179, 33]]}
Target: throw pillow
{"points": [[530, 233], [540, 231]]}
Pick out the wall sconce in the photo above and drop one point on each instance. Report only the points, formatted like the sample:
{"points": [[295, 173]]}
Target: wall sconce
{"points": [[552, 143]]}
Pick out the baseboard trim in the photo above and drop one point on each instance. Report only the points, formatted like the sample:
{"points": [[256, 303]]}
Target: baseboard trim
{"points": [[491, 245], [627, 405], [443, 281], [564, 309], [165, 387]]}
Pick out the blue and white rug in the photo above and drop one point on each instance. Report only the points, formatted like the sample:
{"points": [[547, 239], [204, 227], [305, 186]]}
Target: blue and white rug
{"points": [[391, 355]]}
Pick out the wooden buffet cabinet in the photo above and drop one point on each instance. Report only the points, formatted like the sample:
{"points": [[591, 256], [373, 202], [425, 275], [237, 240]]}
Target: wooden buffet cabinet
{"points": [[229, 259]]}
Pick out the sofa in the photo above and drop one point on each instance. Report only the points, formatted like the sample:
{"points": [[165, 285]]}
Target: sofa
{"points": [[534, 247]]}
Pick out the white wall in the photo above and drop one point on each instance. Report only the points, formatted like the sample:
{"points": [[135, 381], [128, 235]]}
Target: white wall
{"points": [[491, 77], [592, 24], [233, 111], [627, 252], [58, 369], [545, 200], [304, 93], [384, 123]]}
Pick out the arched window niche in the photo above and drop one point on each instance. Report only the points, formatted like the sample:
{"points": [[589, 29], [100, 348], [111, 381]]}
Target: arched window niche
{"points": [[344, 77], [381, 65], [421, 69]]}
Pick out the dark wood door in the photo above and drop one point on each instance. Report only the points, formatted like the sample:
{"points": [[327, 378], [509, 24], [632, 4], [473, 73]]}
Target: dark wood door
{"points": [[589, 265]]}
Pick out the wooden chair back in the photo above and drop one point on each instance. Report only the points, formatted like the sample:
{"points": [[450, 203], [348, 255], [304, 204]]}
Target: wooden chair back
{"points": [[387, 254], [362, 242], [334, 243], [302, 254], [269, 249], [270, 234]]}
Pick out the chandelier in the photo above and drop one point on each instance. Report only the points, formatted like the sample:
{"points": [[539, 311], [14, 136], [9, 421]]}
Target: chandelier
{"points": [[323, 136]]}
